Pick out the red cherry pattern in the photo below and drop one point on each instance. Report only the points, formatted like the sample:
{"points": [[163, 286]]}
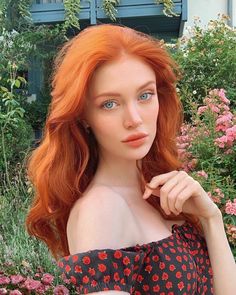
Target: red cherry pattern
{"points": [[178, 264]]}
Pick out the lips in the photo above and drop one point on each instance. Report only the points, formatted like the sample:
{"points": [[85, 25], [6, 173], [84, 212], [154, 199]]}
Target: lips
{"points": [[134, 137]]}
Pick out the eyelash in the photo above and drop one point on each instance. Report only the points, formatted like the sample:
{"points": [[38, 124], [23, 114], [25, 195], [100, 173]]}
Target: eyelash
{"points": [[110, 100]]}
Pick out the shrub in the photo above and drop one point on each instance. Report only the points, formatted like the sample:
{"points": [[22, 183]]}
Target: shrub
{"points": [[207, 148], [15, 134], [207, 58]]}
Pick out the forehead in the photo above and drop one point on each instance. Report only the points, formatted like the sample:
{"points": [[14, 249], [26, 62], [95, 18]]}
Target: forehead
{"points": [[127, 70]]}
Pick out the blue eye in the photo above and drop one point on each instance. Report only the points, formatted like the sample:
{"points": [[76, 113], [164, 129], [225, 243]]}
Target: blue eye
{"points": [[108, 105], [145, 96]]}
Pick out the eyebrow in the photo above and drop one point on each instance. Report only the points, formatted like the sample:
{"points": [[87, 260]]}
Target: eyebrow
{"points": [[117, 94]]}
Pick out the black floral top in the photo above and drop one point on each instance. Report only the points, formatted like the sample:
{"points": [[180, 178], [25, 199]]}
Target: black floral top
{"points": [[178, 264]]}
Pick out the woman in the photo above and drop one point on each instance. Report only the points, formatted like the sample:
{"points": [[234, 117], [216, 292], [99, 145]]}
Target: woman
{"points": [[111, 201]]}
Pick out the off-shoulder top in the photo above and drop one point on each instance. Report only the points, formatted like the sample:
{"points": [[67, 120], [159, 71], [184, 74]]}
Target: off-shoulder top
{"points": [[178, 264]]}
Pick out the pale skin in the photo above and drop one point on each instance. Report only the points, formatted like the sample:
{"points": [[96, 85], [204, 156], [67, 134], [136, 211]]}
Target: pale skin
{"points": [[131, 106], [181, 193], [135, 110]]}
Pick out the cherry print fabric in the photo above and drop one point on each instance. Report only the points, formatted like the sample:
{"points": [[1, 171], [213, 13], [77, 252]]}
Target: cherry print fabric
{"points": [[178, 264]]}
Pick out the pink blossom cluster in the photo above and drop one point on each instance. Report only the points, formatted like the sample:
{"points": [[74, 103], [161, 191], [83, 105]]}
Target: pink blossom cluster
{"points": [[216, 195], [228, 139], [225, 121], [188, 132], [231, 233], [223, 134], [202, 173], [230, 207], [19, 285]]}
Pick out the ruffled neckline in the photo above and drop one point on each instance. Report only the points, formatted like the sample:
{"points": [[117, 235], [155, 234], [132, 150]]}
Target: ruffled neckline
{"points": [[176, 229]]}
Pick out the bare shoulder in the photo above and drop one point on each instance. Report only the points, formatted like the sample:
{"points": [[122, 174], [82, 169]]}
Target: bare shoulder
{"points": [[97, 221]]}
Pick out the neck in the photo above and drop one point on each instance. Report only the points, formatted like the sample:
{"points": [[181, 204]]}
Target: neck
{"points": [[118, 173]]}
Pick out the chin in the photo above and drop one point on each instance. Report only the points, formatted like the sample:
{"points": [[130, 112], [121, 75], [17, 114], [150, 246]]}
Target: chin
{"points": [[139, 153]]}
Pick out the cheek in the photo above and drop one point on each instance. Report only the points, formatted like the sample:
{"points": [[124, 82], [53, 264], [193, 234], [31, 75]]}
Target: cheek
{"points": [[152, 114], [103, 127]]}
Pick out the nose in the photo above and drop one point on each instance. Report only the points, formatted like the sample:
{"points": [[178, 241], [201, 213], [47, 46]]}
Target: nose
{"points": [[132, 118]]}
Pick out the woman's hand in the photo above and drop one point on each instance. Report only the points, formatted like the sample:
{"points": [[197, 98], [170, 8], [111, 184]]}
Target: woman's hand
{"points": [[179, 192]]}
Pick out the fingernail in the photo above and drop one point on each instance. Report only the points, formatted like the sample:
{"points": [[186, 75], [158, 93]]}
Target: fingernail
{"points": [[145, 195]]}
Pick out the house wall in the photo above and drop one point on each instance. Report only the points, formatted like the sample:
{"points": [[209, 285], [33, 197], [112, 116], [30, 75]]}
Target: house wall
{"points": [[208, 10]]}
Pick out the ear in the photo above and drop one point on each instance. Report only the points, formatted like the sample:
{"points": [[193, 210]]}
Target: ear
{"points": [[84, 123]]}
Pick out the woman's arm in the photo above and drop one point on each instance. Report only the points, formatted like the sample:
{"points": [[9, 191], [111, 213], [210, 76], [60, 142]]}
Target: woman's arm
{"points": [[221, 257]]}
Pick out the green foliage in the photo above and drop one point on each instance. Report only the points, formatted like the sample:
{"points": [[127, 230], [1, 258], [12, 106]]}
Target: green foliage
{"points": [[168, 7], [15, 140], [24, 9], [14, 136], [109, 8], [207, 59], [72, 9], [36, 111], [18, 252], [15, 14]]}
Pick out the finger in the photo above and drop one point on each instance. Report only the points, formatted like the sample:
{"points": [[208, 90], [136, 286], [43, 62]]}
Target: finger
{"points": [[157, 181], [161, 179], [183, 197], [167, 201], [151, 191], [176, 191], [164, 195]]}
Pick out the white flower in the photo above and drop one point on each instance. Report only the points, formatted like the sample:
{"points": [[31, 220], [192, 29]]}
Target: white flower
{"points": [[194, 92], [14, 32], [10, 43]]}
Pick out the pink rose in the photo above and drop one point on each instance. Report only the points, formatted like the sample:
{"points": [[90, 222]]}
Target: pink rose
{"points": [[3, 291], [4, 280], [47, 279], [230, 207], [15, 292], [222, 96], [60, 290], [202, 110], [31, 284], [16, 279]]}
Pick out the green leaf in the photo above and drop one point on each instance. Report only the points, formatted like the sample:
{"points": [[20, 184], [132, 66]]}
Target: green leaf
{"points": [[4, 89], [17, 83], [22, 79]]}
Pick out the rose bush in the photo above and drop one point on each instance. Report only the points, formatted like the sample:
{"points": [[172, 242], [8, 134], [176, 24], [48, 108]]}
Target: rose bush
{"points": [[207, 148]]}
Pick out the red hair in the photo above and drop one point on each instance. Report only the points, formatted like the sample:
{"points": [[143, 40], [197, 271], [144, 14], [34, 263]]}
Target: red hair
{"points": [[65, 162]]}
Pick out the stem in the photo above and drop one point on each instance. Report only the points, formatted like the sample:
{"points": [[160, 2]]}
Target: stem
{"points": [[4, 156]]}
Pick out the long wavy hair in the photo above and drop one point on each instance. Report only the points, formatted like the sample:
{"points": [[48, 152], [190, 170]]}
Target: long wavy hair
{"points": [[64, 163]]}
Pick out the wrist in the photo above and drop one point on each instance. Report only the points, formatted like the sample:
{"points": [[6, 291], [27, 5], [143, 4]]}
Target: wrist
{"points": [[215, 218]]}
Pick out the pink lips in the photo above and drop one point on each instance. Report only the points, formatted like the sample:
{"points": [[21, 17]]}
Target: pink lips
{"points": [[134, 137], [135, 140]]}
